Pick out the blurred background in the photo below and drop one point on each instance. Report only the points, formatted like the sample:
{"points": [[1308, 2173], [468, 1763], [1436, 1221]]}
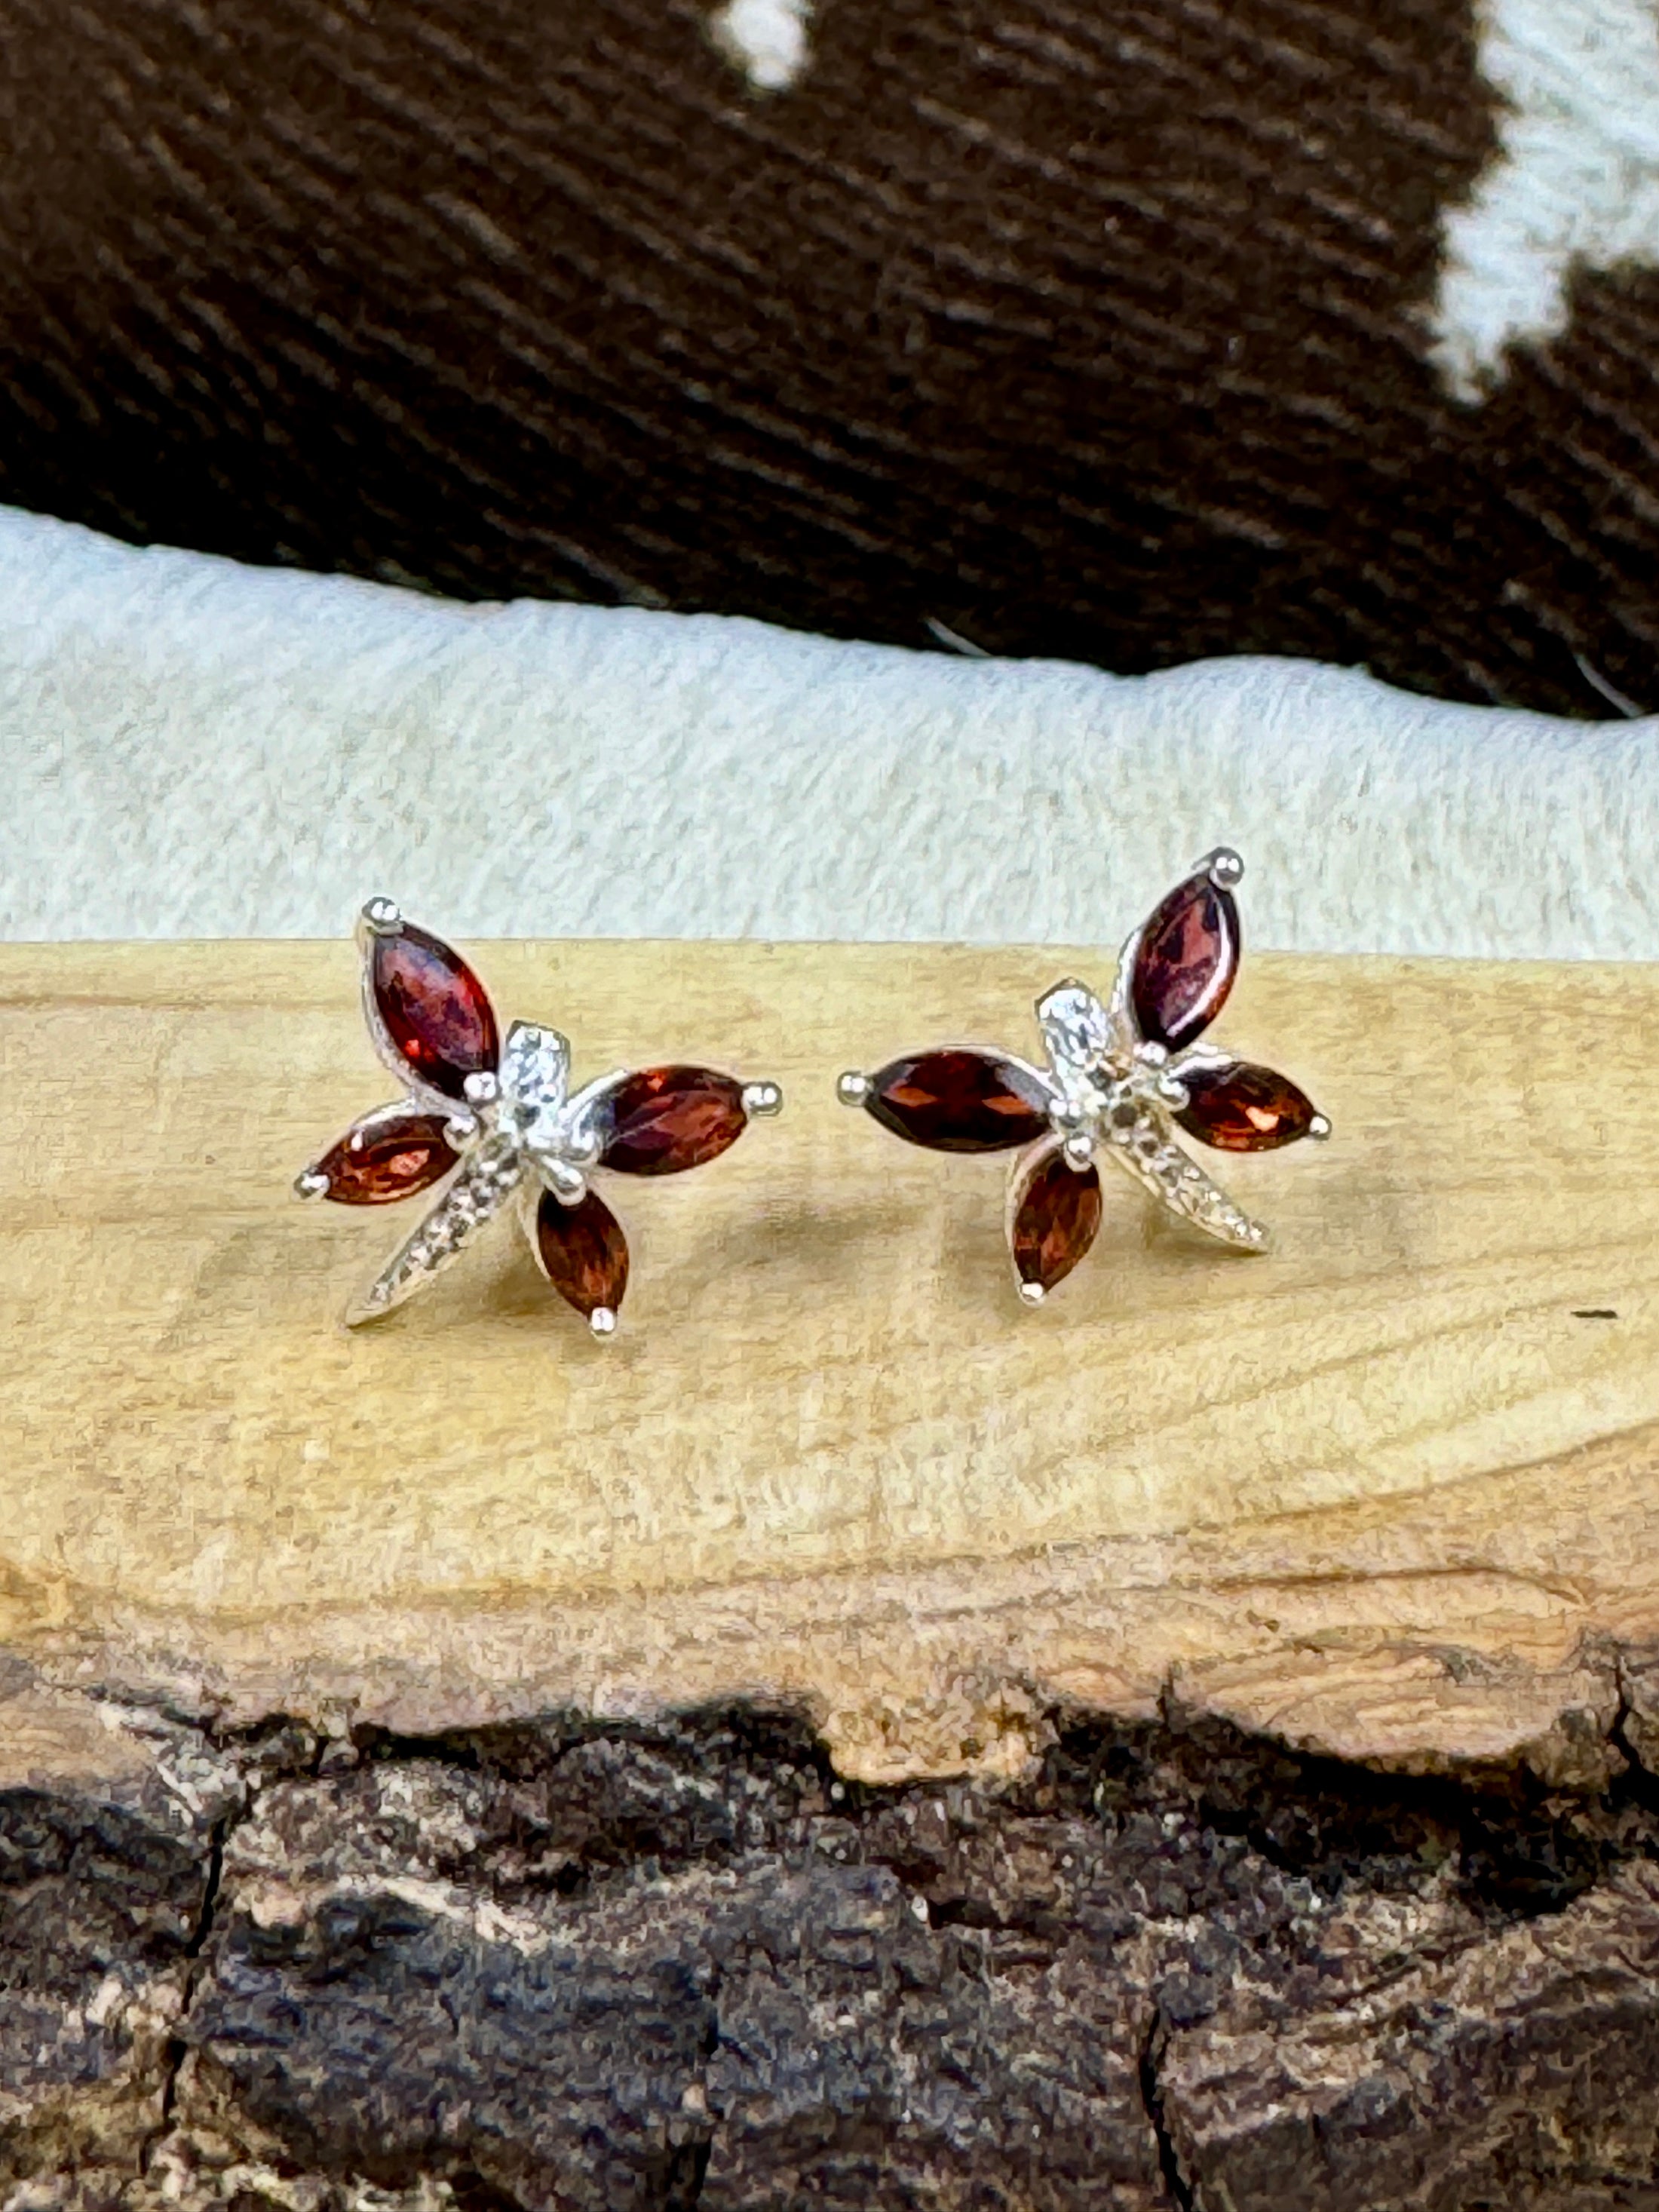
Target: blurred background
{"points": [[1127, 331]]}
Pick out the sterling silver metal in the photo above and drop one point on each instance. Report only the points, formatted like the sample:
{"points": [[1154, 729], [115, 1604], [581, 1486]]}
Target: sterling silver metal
{"points": [[527, 1129], [1112, 1094], [521, 1131]]}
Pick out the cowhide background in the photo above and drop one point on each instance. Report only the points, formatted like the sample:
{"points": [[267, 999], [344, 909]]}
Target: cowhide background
{"points": [[1127, 330]]}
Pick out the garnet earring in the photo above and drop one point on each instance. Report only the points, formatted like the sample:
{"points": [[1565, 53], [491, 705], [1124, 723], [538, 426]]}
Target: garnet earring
{"points": [[493, 1120], [1120, 1079]]}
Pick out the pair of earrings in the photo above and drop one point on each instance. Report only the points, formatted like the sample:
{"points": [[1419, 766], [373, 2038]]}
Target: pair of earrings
{"points": [[494, 1119]]}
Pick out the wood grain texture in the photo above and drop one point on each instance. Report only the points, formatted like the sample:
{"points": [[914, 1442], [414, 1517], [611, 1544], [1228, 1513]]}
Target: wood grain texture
{"points": [[1093, 330], [1391, 1493]]}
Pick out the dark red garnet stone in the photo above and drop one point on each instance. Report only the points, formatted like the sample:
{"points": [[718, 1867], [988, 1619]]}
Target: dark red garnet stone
{"points": [[388, 1160], [957, 1101], [1186, 963], [1240, 1108], [434, 1008], [662, 1119], [583, 1251], [1055, 1223]]}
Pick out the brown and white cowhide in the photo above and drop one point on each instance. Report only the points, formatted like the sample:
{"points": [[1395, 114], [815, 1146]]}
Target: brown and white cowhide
{"points": [[1127, 329]]}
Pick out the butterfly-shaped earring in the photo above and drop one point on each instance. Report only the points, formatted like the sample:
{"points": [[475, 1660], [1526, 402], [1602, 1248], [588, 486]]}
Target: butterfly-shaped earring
{"points": [[1120, 1079], [494, 1120]]}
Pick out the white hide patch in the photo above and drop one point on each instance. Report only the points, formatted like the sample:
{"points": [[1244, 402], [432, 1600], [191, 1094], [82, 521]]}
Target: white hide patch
{"points": [[192, 749], [1576, 179], [767, 39]]}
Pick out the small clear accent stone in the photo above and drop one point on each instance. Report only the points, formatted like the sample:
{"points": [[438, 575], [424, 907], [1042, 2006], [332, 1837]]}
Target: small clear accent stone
{"points": [[1076, 1027], [535, 1075]]}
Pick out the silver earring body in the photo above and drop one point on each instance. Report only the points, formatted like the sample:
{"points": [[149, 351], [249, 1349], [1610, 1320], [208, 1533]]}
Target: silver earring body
{"points": [[1121, 1078], [488, 1121]]}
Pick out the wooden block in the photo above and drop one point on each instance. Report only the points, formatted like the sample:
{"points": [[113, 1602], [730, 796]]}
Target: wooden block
{"points": [[1392, 1492]]}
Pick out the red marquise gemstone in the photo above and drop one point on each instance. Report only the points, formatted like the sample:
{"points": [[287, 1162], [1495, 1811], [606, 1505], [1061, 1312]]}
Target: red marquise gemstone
{"points": [[1055, 1223], [661, 1120], [583, 1251], [958, 1102], [387, 1159], [1240, 1108], [1186, 963], [435, 1009]]}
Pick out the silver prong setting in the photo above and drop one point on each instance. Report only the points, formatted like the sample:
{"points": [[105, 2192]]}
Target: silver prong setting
{"points": [[762, 1102], [568, 1184], [1113, 1091], [515, 1131], [1320, 1129]]}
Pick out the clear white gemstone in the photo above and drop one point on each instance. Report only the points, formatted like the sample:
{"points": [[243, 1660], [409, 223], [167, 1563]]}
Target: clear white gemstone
{"points": [[1076, 1027], [535, 1076]]}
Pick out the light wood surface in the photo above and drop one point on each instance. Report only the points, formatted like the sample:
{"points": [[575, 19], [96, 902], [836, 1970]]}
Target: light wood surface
{"points": [[1388, 1491]]}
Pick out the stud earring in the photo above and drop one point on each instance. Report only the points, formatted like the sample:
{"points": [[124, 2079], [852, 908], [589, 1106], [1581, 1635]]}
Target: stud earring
{"points": [[494, 1120], [1121, 1078]]}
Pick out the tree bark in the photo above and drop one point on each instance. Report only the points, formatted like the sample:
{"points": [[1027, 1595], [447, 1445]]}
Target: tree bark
{"points": [[567, 1965]]}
